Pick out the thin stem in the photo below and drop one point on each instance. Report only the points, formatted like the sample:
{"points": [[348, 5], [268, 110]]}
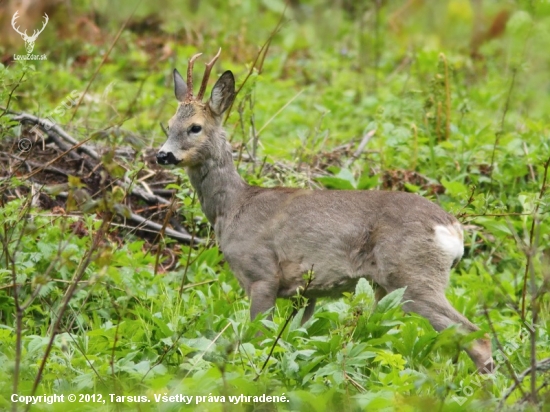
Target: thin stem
{"points": [[7, 108], [105, 57], [501, 349], [188, 260], [263, 50], [68, 296], [287, 321], [531, 235]]}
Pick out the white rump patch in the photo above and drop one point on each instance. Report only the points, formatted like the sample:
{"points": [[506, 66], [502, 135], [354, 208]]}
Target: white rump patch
{"points": [[450, 239]]}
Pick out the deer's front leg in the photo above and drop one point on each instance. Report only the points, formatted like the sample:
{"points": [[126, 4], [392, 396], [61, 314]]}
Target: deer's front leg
{"points": [[310, 308], [262, 297]]}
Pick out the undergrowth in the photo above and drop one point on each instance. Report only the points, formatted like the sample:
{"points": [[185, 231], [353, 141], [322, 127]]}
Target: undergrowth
{"points": [[87, 308]]}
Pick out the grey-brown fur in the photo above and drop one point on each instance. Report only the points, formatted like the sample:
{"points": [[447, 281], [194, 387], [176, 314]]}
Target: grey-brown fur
{"points": [[272, 236]]}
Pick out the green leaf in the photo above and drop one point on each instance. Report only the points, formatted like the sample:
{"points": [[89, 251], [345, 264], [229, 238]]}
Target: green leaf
{"points": [[368, 182], [364, 287], [454, 188], [391, 300], [343, 180], [331, 182]]}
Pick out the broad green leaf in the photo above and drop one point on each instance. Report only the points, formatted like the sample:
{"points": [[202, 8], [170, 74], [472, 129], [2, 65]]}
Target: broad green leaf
{"points": [[391, 300]]}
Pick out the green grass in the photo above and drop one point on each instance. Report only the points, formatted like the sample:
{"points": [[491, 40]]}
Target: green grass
{"points": [[339, 74]]}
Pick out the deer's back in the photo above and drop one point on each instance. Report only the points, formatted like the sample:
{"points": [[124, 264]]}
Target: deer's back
{"points": [[342, 235]]}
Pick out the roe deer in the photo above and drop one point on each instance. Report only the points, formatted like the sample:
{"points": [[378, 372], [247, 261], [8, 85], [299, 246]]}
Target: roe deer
{"points": [[272, 236]]}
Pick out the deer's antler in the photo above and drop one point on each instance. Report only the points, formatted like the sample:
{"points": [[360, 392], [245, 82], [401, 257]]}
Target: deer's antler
{"points": [[13, 22], [190, 76], [206, 76], [37, 32], [24, 34]]}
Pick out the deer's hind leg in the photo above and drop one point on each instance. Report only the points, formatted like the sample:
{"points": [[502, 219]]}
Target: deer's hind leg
{"points": [[435, 307], [423, 268], [263, 295]]}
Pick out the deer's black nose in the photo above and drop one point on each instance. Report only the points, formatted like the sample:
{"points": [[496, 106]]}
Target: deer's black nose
{"points": [[164, 158]]}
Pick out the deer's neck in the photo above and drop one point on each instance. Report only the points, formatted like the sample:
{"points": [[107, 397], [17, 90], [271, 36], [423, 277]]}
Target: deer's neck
{"points": [[218, 186]]}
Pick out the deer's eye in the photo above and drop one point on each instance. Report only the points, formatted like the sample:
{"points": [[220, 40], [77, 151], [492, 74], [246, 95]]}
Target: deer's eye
{"points": [[195, 128]]}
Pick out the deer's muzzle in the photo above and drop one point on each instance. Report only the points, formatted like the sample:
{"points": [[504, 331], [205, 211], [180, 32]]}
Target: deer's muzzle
{"points": [[164, 158]]}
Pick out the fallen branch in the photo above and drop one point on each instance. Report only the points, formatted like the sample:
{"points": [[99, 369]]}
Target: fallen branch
{"points": [[65, 146], [158, 228], [49, 126], [360, 148], [71, 146], [37, 164], [154, 227], [55, 159]]}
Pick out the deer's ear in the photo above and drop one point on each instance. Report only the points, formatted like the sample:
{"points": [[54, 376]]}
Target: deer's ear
{"points": [[223, 93], [180, 88]]}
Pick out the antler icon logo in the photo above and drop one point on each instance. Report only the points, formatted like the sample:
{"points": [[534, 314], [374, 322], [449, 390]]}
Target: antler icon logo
{"points": [[29, 40]]}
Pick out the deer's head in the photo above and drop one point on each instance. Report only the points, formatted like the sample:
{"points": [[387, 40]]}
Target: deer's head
{"points": [[29, 40], [195, 131]]}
